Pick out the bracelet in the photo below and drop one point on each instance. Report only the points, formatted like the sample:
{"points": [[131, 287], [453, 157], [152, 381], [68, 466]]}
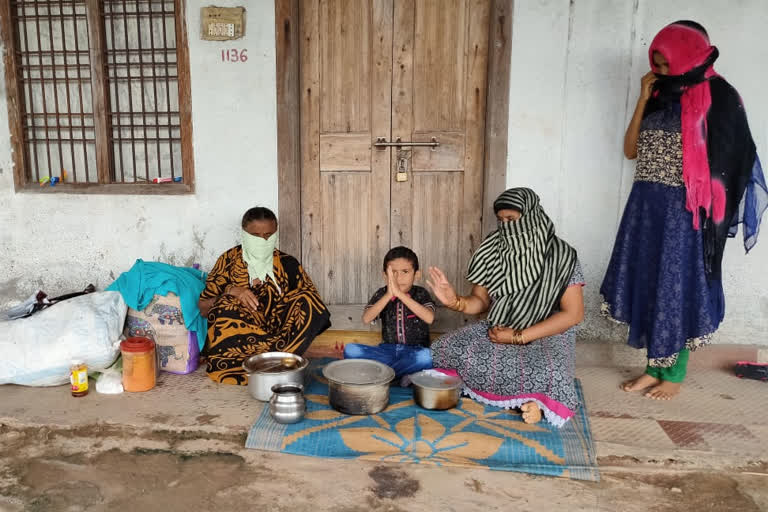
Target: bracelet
{"points": [[518, 338], [460, 304], [227, 289]]}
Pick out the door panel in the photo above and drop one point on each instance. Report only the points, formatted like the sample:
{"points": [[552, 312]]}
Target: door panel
{"points": [[439, 52], [345, 152], [435, 235], [448, 157], [345, 72], [344, 228], [346, 87], [413, 69], [439, 87]]}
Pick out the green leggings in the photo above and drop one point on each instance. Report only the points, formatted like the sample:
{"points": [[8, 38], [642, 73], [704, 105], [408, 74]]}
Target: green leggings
{"points": [[674, 373]]}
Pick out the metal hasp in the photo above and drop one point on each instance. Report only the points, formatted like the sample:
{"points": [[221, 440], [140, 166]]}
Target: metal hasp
{"points": [[381, 143]]}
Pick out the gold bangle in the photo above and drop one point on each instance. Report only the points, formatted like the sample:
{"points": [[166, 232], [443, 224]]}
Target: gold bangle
{"points": [[460, 304], [517, 337]]}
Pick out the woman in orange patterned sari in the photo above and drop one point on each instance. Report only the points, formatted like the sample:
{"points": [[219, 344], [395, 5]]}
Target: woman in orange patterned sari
{"points": [[257, 299]]}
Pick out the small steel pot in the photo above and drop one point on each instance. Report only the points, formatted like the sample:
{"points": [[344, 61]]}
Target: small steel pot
{"points": [[287, 404], [264, 372], [358, 386], [434, 391]]}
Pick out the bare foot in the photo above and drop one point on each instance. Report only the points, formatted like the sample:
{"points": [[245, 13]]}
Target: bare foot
{"points": [[531, 412], [664, 391], [640, 383]]}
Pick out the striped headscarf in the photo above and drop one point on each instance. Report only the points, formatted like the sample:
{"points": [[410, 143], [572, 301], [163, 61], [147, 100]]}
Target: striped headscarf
{"points": [[522, 264]]}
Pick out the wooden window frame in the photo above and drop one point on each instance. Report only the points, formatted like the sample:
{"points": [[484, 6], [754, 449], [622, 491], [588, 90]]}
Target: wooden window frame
{"points": [[288, 59], [97, 47]]}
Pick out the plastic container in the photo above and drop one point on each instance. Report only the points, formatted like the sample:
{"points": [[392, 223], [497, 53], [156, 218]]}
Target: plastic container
{"points": [[78, 377], [139, 364]]}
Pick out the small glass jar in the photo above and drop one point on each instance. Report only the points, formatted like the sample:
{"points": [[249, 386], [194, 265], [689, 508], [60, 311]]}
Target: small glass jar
{"points": [[78, 378]]}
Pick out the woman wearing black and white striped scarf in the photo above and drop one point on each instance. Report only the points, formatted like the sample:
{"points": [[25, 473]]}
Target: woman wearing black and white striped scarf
{"points": [[522, 264], [529, 282]]}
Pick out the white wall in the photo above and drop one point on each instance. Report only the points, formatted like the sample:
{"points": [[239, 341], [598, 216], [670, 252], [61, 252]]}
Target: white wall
{"points": [[62, 243], [576, 69]]}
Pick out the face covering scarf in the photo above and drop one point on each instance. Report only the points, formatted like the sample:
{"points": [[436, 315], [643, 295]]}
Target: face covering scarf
{"points": [[522, 264], [258, 254]]}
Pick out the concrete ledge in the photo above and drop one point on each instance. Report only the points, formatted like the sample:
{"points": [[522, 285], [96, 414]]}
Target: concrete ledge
{"points": [[588, 353]]}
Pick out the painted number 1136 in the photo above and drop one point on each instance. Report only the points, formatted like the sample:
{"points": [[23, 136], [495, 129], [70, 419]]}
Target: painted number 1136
{"points": [[234, 55]]}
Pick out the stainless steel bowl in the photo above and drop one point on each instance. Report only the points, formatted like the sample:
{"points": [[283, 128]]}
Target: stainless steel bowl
{"points": [[264, 371], [434, 390], [358, 386]]}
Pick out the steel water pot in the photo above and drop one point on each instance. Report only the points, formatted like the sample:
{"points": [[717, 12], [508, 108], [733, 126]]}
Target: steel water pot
{"points": [[287, 404]]}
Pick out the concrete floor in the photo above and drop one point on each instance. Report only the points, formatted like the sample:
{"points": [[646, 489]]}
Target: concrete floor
{"points": [[180, 447]]}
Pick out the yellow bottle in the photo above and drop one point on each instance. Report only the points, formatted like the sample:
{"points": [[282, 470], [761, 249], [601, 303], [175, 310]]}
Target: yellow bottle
{"points": [[78, 377]]}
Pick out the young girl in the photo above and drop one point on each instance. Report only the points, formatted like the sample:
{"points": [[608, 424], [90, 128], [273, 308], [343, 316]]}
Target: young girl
{"points": [[697, 178]]}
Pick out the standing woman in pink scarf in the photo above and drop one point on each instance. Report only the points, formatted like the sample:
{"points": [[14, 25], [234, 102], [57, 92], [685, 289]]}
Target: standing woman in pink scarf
{"points": [[697, 178]]}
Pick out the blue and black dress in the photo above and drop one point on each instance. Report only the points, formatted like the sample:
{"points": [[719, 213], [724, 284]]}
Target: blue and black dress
{"points": [[660, 281]]}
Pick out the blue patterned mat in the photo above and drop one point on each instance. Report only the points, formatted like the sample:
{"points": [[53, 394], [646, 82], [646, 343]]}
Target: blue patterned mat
{"points": [[470, 435]]}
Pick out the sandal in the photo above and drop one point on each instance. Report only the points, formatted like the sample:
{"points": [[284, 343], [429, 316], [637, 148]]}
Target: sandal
{"points": [[757, 371]]}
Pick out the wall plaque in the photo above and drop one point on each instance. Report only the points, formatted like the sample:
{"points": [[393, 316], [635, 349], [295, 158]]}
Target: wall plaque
{"points": [[222, 23]]}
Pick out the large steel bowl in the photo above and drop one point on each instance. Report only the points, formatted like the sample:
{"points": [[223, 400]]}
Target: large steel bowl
{"points": [[264, 372], [358, 386]]}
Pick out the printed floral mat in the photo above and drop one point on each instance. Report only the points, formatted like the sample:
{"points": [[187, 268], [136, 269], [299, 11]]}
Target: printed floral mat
{"points": [[470, 435]]}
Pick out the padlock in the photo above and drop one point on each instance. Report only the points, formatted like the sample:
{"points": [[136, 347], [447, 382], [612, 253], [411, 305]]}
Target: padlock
{"points": [[402, 166]]}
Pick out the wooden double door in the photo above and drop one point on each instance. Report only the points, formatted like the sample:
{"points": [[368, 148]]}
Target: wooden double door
{"points": [[389, 70]]}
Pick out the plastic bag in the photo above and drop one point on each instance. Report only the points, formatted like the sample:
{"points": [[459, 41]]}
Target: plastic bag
{"points": [[110, 382], [37, 350]]}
